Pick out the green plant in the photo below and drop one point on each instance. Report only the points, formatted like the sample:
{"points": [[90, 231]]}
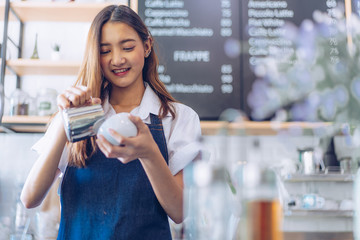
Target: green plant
{"points": [[56, 47]]}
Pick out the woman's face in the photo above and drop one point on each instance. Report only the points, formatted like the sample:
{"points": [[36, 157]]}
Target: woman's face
{"points": [[122, 54]]}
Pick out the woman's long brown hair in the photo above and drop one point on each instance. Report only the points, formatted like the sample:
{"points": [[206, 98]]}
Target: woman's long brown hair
{"points": [[91, 74]]}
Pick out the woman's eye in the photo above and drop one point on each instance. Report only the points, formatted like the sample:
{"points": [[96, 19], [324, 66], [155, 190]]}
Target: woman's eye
{"points": [[104, 51], [129, 48]]}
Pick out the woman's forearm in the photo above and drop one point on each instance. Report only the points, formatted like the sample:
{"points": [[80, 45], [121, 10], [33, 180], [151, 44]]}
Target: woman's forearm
{"points": [[168, 188], [45, 169]]}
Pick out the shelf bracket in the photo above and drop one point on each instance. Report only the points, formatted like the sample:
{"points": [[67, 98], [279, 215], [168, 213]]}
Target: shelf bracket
{"points": [[19, 45], [13, 42], [6, 130], [11, 70], [15, 14]]}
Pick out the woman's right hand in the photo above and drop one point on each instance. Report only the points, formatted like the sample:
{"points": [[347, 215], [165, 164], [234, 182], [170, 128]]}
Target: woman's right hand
{"points": [[76, 96]]}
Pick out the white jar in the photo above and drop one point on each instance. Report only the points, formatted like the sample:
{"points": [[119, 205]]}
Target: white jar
{"points": [[46, 101]]}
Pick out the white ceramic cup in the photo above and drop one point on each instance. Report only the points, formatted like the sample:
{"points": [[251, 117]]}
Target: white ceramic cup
{"points": [[121, 124]]}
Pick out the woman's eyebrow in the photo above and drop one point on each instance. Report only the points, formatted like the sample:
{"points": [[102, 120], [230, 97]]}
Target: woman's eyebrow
{"points": [[121, 42], [127, 40]]}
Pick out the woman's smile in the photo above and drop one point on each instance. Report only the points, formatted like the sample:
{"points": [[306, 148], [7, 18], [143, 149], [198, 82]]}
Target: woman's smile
{"points": [[121, 72]]}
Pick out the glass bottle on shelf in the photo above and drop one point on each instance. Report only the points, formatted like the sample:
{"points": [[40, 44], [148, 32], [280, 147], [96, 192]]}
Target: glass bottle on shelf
{"points": [[46, 101], [21, 220], [19, 103], [262, 207], [206, 208]]}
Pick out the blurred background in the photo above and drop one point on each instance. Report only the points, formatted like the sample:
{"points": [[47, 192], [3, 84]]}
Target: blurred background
{"points": [[275, 84]]}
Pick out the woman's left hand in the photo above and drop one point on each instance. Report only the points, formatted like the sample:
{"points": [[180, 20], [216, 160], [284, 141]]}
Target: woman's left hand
{"points": [[130, 148]]}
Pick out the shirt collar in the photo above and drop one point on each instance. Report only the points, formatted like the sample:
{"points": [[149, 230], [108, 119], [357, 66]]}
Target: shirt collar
{"points": [[150, 103]]}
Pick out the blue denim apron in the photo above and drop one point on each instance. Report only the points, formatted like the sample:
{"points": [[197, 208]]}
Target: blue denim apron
{"points": [[111, 200]]}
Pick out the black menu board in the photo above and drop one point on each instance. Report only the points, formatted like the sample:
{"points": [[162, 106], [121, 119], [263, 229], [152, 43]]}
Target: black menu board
{"points": [[208, 48], [199, 49]]}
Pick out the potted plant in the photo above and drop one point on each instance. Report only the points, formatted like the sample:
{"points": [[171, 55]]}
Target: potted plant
{"points": [[55, 54]]}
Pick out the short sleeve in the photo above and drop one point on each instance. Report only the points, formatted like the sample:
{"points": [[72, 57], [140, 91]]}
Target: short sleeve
{"points": [[42, 144], [184, 136]]}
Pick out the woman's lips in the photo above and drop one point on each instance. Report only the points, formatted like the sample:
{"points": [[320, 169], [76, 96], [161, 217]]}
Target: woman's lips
{"points": [[121, 72]]}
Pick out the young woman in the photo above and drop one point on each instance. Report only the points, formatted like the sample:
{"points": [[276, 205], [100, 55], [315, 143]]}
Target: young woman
{"points": [[125, 191]]}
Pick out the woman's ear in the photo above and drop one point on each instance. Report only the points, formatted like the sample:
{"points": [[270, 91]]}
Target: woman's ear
{"points": [[147, 46]]}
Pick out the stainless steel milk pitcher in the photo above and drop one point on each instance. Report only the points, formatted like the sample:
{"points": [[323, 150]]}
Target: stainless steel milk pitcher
{"points": [[82, 122]]}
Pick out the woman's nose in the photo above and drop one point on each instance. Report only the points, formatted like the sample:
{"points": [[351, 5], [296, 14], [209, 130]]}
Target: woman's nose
{"points": [[117, 59]]}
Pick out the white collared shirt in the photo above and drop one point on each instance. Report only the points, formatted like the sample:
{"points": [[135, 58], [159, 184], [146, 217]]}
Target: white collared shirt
{"points": [[181, 133]]}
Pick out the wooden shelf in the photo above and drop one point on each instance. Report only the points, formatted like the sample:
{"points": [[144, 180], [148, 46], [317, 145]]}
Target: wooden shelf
{"points": [[207, 127], [26, 119], [43, 67], [54, 11], [258, 128], [34, 124]]}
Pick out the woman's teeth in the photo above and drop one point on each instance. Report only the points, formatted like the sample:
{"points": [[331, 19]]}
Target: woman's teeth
{"points": [[121, 70]]}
